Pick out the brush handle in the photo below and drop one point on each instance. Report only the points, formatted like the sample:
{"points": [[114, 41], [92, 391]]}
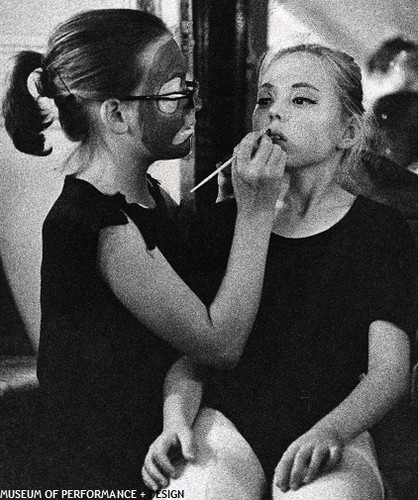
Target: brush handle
{"points": [[215, 172], [228, 162]]}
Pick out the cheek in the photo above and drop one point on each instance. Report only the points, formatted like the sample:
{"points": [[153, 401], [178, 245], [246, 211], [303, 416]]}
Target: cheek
{"points": [[159, 127], [323, 129], [260, 119], [309, 140]]}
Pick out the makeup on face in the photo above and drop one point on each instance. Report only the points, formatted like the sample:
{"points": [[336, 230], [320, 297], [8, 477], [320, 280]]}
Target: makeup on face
{"points": [[299, 102], [167, 126]]}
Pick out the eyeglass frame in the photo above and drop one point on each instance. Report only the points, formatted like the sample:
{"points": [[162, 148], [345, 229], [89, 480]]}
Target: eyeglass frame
{"points": [[188, 93]]}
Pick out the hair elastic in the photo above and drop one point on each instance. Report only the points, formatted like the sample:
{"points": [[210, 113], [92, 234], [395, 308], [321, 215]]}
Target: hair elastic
{"points": [[34, 83]]}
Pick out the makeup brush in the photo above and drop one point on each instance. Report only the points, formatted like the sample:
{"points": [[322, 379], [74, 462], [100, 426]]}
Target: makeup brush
{"points": [[224, 165]]}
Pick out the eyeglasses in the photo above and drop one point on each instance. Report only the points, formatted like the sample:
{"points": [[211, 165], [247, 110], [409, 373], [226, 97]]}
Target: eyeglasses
{"points": [[168, 103]]}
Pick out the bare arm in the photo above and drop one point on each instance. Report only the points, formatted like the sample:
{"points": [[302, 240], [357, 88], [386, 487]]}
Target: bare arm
{"points": [[183, 392], [383, 387], [147, 285]]}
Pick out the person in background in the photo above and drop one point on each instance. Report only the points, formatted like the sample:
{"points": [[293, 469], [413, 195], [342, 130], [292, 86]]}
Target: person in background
{"points": [[329, 354], [390, 68], [115, 313], [391, 98]]}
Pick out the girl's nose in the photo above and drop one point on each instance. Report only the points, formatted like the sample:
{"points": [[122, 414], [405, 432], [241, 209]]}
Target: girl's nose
{"points": [[276, 112]]}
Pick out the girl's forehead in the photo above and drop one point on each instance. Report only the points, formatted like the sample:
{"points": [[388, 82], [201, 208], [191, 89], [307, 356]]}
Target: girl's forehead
{"points": [[297, 67], [148, 55]]}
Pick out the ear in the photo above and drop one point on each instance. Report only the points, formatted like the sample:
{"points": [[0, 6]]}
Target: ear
{"points": [[114, 116], [351, 133]]}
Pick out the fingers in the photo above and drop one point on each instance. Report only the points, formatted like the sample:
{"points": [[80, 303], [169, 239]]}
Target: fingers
{"points": [[304, 465], [164, 465], [257, 177], [263, 149], [300, 466], [284, 469], [318, 458], [277, 159], [245, 148], [334, 458], [153, 477], [225, 187], [255, 155], [253, 145], [157, 466], [162, 460], [149, 481]]}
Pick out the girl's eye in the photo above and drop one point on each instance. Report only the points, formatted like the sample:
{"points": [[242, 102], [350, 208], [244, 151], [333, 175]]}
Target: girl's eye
{"points": [[303, 101], [264, 101], [167, 106]]}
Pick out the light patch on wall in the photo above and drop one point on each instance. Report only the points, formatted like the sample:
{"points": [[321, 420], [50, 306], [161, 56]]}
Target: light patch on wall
{"points": [[286, 29]]}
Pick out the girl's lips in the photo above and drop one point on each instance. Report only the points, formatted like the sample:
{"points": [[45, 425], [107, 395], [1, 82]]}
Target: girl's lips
{"points": [[277, 137], [186, 130], [182, 135]]}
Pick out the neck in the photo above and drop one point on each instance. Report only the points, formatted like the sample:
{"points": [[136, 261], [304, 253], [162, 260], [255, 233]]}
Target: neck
{"points": [[111, 170], [313, 203], [310, 186]]}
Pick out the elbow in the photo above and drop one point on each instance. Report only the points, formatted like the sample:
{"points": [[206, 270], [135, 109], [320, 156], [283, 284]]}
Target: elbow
{"points": [[404, 388], [227, 353], [404, 380], [220, 357], [216, 347], [398, 384], [228, 360]]}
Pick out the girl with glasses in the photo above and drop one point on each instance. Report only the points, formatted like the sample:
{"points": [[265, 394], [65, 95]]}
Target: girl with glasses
{"points": [[115, 313]]}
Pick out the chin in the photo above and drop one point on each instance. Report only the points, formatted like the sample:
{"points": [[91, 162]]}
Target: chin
{"points": [[172, 153], [181, 150], [175, 155]]}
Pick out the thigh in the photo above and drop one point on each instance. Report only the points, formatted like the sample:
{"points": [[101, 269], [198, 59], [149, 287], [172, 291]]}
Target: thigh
{"points": [[356, 478], [225, 466]]}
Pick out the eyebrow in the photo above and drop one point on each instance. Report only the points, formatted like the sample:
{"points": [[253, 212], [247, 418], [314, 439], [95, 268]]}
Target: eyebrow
{"points": [[294, 86], [303, 84], [267, 85]]}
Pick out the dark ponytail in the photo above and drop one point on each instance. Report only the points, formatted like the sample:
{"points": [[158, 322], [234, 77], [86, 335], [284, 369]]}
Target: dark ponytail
{"points": [[24, 119], [93, 56]]}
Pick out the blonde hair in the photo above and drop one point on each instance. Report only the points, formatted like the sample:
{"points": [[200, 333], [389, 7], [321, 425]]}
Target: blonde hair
{"points": [[348, 83]]}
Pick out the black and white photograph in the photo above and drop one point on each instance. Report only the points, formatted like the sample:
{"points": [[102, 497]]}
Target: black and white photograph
{"points": [[209, 249]]}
